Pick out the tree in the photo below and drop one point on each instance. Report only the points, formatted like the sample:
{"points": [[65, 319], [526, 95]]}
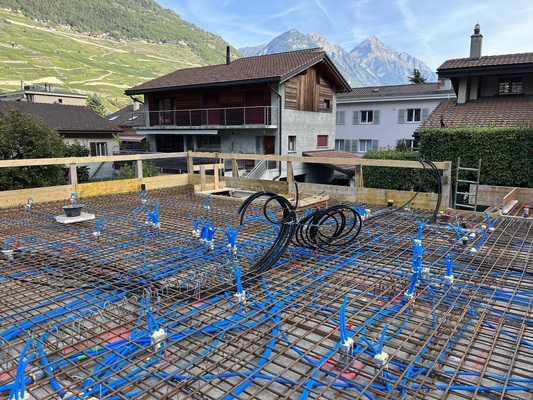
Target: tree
{"points": [[77, 149], [417, 77], [24, 137], [95, 104]]}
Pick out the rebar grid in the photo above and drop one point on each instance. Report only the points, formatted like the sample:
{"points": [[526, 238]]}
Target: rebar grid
{"points": [[127, 309]]}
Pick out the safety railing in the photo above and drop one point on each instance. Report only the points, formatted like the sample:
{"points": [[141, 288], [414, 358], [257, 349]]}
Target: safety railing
{"points": [[206, 117]]}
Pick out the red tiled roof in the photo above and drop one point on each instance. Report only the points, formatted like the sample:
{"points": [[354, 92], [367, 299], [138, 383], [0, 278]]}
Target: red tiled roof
{"points": [[63, 118], [276, 67], [487, 61], [494, 111]]}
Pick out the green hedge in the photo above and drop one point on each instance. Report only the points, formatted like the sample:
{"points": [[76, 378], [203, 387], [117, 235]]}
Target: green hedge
{"points": [[398, 178], [506, 153]]}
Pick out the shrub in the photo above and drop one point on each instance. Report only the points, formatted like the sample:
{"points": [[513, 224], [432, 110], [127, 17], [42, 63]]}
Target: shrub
{"points": [[506, 153], [127, 171], [398, 178]]}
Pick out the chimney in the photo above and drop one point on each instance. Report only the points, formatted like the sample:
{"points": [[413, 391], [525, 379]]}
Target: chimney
{"points": [[227, 56], [444, 84], [135, 105], [475, 44]]}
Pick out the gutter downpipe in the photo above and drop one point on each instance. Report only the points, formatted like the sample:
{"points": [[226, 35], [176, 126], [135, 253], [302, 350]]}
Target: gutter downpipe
{"points": [[279, 129]]}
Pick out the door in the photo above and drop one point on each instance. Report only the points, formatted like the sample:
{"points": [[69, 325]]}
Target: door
{"points": [[269, 144]]}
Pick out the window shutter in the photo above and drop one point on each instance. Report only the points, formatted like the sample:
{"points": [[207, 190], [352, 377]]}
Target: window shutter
{"points": [[93, 148], [354, 146], [401, 116], [355, 118], [340, 118], [425, 113], [375, 121], [375, 144]]}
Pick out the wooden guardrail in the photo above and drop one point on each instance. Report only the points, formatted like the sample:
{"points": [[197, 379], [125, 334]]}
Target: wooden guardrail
{"points": [[73, 162]]}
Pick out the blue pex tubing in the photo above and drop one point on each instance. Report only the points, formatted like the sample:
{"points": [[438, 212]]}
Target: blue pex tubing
{"points": [[171, 295]]}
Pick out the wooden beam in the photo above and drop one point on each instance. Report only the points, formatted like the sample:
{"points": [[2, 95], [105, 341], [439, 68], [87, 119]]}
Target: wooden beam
{"points": [[139, 169], [190, 163], [203, 182], [359, 176], [230, 156], [73, 174], [234, 168], [290, 174]]}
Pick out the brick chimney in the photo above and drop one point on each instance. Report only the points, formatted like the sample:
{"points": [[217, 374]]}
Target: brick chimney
{"points": [[475, 44]]}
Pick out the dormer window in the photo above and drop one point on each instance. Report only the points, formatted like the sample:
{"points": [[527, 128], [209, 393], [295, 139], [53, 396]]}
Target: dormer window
{"points": [[510, 85]]}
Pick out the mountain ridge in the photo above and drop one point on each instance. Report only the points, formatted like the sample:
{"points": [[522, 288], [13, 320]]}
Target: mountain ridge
{"points": [[369, 63]]}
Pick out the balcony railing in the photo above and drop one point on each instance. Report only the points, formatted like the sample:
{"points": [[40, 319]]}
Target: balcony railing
{"points": [[207, 117]]}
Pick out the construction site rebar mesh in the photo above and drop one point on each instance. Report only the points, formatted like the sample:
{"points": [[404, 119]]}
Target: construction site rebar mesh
{"points": [[137, 304]]}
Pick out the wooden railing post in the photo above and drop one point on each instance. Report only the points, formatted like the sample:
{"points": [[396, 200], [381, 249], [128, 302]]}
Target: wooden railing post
{"points": [[234, 168], [73, 173], [139, 169], [190, 165]]}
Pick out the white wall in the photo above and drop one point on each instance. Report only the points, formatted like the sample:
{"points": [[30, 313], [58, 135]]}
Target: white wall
{"points": [[389, 130]]}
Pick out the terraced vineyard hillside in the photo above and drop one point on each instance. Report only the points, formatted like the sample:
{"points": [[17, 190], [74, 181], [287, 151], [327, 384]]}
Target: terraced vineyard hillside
{"points": [[37, 53]]}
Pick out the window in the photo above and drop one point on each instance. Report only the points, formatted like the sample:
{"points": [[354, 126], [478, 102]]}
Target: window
{"points": [[367, 145], [98, 148], [327, 104], [292, 144], [340, 118], [414, 114], [322, 141], [347, 145], [209, 142], [132, 118], [367, 117], [510, 85]]}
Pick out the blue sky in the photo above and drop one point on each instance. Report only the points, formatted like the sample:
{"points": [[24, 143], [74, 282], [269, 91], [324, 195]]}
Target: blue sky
{"points": [[432, 31]]}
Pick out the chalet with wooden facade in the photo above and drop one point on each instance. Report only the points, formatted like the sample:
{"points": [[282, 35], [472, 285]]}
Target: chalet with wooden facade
{"points": [[273, 104], [491, 90]]}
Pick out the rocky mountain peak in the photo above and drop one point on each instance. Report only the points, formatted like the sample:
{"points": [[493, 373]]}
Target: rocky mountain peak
{"points": [[370, 63]]}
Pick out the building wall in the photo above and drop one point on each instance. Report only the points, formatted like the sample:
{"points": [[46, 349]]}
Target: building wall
{"points": [[388, 130], [489, 84], [99, 142], [51, 98]]}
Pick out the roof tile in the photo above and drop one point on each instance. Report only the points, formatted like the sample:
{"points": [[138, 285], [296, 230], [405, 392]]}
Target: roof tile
{"points": [[62, 117], [488, 61], [394, 91], [271, 66], [485, 112]]}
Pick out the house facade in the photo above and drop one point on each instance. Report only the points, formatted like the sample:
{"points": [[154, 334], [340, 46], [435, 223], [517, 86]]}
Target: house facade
{"points": [[273, 104], [44, 94], [491, 90], [74, 123], [377, 117]]}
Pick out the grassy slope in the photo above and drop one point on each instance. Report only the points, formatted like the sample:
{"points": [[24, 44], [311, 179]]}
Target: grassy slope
{"points": [[82, 64]]}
